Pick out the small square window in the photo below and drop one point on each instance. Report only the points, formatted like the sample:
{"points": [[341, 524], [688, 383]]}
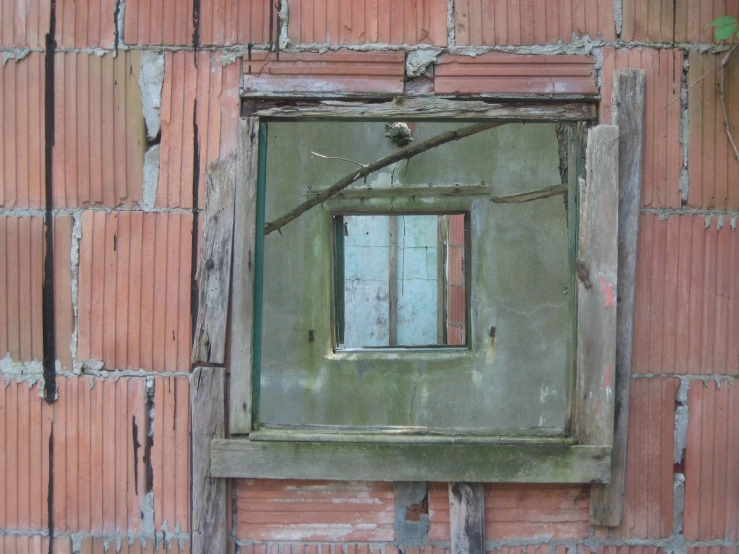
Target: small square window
{"points": [[400, 281]]}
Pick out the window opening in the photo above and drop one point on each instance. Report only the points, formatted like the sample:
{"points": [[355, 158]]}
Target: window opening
{"points": [[401, 280]]}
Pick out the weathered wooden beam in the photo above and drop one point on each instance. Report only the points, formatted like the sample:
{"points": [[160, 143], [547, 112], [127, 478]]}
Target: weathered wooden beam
{"points": [[529, 196], [242, 458], [597, 254], [606, 501], [467, 517], [207, 400], [409, 109], [214, 270], [244, 270]]}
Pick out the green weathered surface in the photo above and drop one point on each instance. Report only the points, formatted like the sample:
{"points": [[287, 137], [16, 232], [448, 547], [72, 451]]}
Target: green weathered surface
{"points": [[238, 458], [519, 273]]}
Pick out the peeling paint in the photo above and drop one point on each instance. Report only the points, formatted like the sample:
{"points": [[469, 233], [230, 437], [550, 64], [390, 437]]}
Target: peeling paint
{"points": [[609, 294]]}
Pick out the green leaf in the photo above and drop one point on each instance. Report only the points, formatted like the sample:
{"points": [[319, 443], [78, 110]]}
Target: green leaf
{"points": [[727, 31], [725, 20]]}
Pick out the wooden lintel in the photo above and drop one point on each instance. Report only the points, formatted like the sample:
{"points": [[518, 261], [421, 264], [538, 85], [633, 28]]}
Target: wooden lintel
{"points": [[420, 108], [606, 501]]}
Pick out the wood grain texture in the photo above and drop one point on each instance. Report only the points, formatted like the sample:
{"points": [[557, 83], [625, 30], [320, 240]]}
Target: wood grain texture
{"points": [[207, 400], [596, 307], [629, 85], [242, 294], [241, 458], [467, 517], [214, 270], [410, 109]]}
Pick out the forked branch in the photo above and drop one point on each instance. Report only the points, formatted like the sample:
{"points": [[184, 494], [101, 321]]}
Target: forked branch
{"points": [[364, 171]]}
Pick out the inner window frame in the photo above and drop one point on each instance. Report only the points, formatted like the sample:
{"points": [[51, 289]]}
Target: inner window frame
{"points": [[337, 287]]}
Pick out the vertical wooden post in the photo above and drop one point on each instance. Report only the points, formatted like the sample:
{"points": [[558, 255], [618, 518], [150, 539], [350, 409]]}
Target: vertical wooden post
{"points": [[442, 233], [214, 270], [597, 265], [207, 401], [467, 517], [606, 501], [244, 268], [393, 281]]}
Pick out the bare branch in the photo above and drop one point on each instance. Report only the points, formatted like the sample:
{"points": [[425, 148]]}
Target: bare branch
{"points": [[341, 184], [529, 196], [722, 88], [337, 158]]}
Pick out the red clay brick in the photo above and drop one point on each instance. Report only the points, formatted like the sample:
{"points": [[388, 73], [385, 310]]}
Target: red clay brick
{"points": [[314, 511], [22, 110], [100, 135], [27, 423], [24, 24], [89, 24], [158, 22], [520, 512], [134, 290], [525, 22], [215, 91], [21, 288], [663, 154], [711, 458], [683, 21], [713, 167], [687, 284], [648, 492], [338, 72], [170, 453], [384, 22], [500, 73]]}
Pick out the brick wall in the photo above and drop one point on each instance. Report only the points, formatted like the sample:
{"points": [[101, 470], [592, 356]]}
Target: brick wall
{"points": [[107, 132]]}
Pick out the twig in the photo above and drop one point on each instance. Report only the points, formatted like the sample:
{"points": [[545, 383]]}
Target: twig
{"points": [[721, 89], [529, 196], [341, 184], [337, 158]]}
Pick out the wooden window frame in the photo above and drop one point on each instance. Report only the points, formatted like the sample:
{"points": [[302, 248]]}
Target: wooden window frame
{"points": [[583, 457]]}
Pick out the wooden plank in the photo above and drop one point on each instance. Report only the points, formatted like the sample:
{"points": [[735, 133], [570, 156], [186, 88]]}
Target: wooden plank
{"points": [[207, 399], [597, 255], [409, 109], [242, 458], [393, 281], [606, 501], [214, 269], [467, 518], [242, 294]]}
